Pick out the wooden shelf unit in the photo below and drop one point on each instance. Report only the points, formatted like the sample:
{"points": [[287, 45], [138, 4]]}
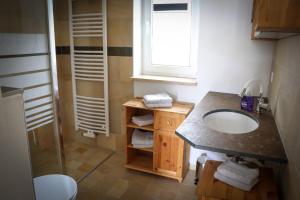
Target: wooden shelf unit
{"points": [[169, 156]]}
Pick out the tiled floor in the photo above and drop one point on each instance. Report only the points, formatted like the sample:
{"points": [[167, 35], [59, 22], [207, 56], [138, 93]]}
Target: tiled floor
{"points": [[81, 158], [112, 181]]}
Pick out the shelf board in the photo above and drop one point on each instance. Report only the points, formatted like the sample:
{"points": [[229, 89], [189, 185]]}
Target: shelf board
{"points": [[147, 127], [145, 164], [141, 149], [142, 163]]}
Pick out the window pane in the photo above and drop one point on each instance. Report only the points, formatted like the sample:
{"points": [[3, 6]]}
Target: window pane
{"points": [[171, 35]]}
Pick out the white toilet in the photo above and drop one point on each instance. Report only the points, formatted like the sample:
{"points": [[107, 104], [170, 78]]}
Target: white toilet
{"points": [[55, 187]]}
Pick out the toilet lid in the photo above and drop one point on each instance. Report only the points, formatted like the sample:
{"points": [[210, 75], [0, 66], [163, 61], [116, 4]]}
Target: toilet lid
{"points": [[55, 187]]}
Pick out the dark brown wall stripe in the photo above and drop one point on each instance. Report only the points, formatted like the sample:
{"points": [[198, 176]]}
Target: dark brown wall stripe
{"points": [[88, 48], [120, 51], [23, 55], [112, 51], [62, 50]]}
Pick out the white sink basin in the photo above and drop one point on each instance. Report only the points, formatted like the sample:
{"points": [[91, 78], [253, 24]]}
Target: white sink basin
{"points": [[230, 121]]}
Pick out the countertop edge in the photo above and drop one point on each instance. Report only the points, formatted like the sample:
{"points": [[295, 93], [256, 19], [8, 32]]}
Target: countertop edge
{"points": [[232, 153]]}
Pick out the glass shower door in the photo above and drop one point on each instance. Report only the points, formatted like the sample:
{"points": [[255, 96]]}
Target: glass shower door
{"points": [[27, 61]]}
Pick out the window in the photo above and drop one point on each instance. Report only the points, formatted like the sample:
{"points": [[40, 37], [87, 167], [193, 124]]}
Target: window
{"points": [[170, 30]]}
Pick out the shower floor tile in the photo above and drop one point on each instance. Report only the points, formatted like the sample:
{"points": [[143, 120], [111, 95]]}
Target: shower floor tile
{"points": [[81, 158], [81, 150]]}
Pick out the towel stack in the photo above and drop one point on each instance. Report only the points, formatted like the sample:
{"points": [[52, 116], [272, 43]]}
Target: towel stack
{"points": [[143, 120], [141, 139], [237, 175], [158, 100]]}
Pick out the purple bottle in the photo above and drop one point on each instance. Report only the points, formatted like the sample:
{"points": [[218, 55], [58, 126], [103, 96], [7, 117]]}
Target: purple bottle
{"points": [[247, 103]]}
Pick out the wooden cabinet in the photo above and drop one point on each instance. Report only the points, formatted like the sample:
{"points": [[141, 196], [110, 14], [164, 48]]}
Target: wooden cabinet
{"points": [[275, 19], [170, 154]]}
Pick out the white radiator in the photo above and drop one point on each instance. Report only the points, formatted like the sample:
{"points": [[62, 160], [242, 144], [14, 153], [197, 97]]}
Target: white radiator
{"points": [[91, 112]]}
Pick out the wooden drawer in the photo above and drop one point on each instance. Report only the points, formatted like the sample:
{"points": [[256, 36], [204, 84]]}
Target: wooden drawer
{"points": [[166, 121]]}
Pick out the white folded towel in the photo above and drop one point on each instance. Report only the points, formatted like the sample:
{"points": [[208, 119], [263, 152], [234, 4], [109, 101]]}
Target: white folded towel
{"points": [[143, 120], [141, 138], [158, 105], [160, 98], [238, 172], [233, 182]]}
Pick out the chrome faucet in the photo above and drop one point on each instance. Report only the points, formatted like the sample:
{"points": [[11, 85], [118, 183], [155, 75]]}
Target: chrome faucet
{"points": [[249, 89], [261, 104]]}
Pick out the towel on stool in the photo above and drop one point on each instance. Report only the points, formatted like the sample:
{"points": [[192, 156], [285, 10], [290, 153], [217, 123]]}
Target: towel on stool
{"points": [[143, 120], [141, 139], [234, 183], [238, 172], [158, 100]]}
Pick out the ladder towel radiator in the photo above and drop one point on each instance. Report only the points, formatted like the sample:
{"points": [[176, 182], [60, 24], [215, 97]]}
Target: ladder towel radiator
{"points": [[91, 113]]}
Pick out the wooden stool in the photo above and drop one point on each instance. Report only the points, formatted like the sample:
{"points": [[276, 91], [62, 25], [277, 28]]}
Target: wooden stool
{"points": [[210, 188]]}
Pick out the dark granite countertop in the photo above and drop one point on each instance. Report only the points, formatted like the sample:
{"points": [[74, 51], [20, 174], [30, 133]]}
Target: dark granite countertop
{"points": [[263, 143]]}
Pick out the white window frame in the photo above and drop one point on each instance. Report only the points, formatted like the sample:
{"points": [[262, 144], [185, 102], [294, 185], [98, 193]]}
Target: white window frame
{"points": [[174, 71]]}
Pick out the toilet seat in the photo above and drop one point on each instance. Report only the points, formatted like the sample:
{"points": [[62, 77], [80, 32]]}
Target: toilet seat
{"points": [[55, 187]]}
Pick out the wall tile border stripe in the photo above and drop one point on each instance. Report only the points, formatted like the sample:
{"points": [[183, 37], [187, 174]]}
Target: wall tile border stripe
{"points": [[23, 55], [112, 51]]}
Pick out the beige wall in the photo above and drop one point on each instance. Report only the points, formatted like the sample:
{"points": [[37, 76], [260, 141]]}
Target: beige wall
{"points": [[17, 16], [119, 13], [285, 99]]}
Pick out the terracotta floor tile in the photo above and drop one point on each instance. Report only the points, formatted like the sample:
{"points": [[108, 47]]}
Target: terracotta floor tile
{"points": [[73, 164], [118, 189], [166, 195], [81, 150], [85, 167]]}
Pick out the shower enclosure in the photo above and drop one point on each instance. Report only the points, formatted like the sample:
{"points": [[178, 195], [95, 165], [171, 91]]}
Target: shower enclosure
{"points": [[30, 59], [80, 30], [27, 61]]}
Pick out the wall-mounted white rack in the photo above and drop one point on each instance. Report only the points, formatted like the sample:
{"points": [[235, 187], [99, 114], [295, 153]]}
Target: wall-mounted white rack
{"points": [[89, 65], [87, 25], [91, 112]]}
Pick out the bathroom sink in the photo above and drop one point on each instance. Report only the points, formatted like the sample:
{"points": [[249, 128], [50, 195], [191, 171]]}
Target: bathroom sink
{"points": [[230, 121]]}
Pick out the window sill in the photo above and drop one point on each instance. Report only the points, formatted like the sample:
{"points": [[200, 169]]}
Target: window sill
{"points": [[166, 79]]}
